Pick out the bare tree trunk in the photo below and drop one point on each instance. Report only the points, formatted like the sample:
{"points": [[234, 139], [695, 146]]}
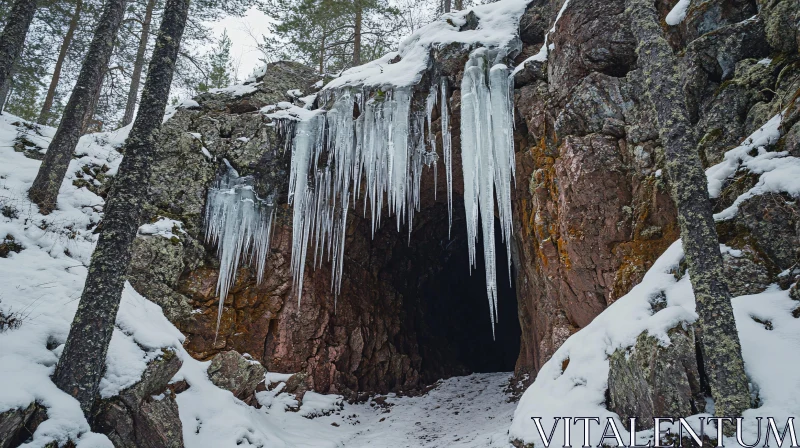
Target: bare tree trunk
{"points": [[13, 37], [133, 93], [82, 363], [357, 36], [722, 353], [8, 88], [322, 55], [44, 191], [5, 92], [87, 118], [44, 115], [459, 5], [446, 5]]}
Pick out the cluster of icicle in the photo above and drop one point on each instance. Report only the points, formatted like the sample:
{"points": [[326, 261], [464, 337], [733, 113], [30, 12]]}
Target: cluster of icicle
{"points": [[487, 157], [380, 155], [239, 223], [385, 149]]}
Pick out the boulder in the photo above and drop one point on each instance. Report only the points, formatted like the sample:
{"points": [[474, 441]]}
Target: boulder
{"points": [[144, 415], [652, 380], [14, 426], [233, 372]]}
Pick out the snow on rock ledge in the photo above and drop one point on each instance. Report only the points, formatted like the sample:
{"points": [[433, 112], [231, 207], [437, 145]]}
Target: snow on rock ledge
{"points": [[498, 27]]}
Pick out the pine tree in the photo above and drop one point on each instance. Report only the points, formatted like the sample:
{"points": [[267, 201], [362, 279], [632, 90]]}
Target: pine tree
{"points": [[44, 114], [44, 191], [82, 363], [13, 37], [721, 350], [138, 65], [332, 34], [220, 66]]}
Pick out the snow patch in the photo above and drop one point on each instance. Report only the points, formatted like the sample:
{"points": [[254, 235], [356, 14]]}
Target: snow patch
{"points": [[678, 13], [164, 227]]}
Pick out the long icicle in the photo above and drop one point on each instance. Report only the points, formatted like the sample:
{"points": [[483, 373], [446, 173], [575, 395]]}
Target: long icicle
{"points": [[238, 222], [384, 151]]}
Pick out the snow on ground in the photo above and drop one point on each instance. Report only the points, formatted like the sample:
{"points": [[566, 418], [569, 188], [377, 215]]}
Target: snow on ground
{"points": [[462, 412], [41, 285], [579, 390], [471, 411]]}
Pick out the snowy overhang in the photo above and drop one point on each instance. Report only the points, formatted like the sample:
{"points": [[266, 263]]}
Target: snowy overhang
{"points": [[497, 27]]}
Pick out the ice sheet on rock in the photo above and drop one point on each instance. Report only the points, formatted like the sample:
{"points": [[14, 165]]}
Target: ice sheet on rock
{"points": [[487, 157], [239, 223]]}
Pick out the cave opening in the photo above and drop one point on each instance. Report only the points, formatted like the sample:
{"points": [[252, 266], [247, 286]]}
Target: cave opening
{"points": [[446, 304]]}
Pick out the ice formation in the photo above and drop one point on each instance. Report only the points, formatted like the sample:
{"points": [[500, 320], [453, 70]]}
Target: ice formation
{"points": [[375, 141], [487, 158], [239, 223], [382, 153], [447, 149]]}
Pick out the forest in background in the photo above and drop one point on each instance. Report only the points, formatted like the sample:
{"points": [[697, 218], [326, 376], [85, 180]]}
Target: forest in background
{"points": [[329, 35]]}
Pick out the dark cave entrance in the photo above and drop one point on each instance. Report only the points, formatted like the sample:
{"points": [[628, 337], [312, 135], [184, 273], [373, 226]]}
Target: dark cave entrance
{"points": [[459, 338], [446, 303]]}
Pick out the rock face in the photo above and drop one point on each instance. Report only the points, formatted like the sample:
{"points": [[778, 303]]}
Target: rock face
{"points": [[651, 380], [596, 212], [591, 208]]}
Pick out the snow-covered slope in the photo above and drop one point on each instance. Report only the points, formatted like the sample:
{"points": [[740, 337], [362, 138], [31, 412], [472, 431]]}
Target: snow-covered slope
{"points": [[580, 389], [41, 286]]}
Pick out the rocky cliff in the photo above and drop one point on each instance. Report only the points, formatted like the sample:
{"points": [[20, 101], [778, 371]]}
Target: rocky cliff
{"points": [[591, 211]]}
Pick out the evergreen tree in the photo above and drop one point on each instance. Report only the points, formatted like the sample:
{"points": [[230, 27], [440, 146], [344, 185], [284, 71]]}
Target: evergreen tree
{"points": [[332, 35], [138, 65], [220, 66], [13, 37], [82, 363], [44, 191], [44, 114]]}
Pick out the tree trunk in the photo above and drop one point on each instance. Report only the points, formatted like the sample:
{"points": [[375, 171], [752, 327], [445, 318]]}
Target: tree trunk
{"points": [[446, 5], [82, 363], [44, 115], [8, 88], [357, 36], [87, 118], [13, 37], [5, 92], [722, 354], [322, 55], [44, 191], [133, 93], [459, 5]]}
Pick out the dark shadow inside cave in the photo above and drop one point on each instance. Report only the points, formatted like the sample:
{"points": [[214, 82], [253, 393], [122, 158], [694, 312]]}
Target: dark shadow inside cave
{"points": [[449, 309]]}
